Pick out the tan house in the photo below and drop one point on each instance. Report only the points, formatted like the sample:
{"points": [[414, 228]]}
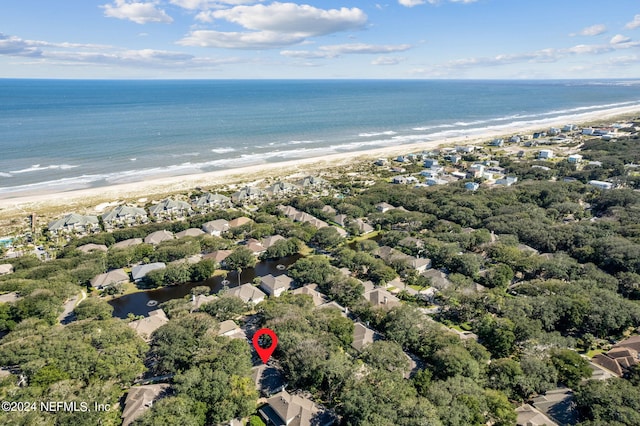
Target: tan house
{"points": [[292, 410], [146, 326], [114, 277], [158, 237], [140, 399], [275, 286], [239, 221]]}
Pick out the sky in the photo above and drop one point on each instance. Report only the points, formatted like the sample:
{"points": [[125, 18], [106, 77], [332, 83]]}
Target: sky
{"points": [[396, 39]]}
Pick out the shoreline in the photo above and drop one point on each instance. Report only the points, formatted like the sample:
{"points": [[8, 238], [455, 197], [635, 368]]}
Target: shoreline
{"points": [[85, 200]]}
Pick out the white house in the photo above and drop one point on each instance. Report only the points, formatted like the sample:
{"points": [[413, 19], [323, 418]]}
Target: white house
{"points": [[545, 154], [275, 286], [600, 184], [574, 158]]}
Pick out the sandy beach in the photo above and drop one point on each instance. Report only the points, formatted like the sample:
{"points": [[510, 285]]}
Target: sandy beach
{"points": [[85, 200]]}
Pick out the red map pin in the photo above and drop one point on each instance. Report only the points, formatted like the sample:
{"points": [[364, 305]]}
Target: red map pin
{"points": [[265, 353]]}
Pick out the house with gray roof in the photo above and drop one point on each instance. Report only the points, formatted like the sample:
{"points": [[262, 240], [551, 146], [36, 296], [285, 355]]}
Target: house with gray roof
{"points": [[363, 336], [88, 248], [210, 201], [218, 256], [113, 277], [271, 240], [248, 193], [147, 325], [158, 237], [216, 227], [138, 272], [127, 243], [74, 223], [286, 409], [140, 399], [311, 182], [124, 216], [381, 297], [170, 209], [275, 286], [248, 293], [438, 278], [191, 232], [280, 189]]}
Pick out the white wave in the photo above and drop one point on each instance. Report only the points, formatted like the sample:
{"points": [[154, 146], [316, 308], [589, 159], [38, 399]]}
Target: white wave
{"points": [[3, 174], [58, 184], [38, 167], [133, 159], [222, 150], [374, 134], [186, 154], [439, 126]]}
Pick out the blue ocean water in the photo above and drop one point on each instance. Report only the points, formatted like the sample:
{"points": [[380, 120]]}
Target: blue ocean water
{"points": [[60, 134]]}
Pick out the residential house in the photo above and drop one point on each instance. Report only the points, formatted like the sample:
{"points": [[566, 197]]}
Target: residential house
{"points": [[147, 325], [363, 226], [430, 174], [88, 248], [217, 256], [6, 268], [312, 291], [622, 357], [471, 186], [248, 293], [381, 162], [158, 237], [557, 404], [459, 175], [363, 336], [216, 227], [400, 180], [507, 180], [569, 128], [247, 193], [201, 299], [402, 159], [284, 409], [239, 221], [255, 246], [170, 209], [74, 223], [127, 243], [191, 232], [430, 163], [531, 416], [124, 216], [280, 189], [275, 286], [311, 181], [545, 154], [515, 139], [467, 149], [411, 243], [113, 277], [453, 158], [435, 181], [271, 240], [329, 210], [229, 328], [497, 142], [384, 207], [438, 278], [138, 272], [140, 399], [210, 201], [341, 219], [574, 158], [600, 184], [381, 297]]}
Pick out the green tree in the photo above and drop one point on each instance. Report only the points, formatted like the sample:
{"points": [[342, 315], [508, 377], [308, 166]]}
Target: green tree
{"points": [[93, 308], [174, 411], [327, 238], [225, 308], [571, 367]]}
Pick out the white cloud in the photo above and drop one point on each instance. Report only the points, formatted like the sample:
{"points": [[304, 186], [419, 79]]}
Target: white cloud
{"points": [[619, 38], [412, 3], [332, 51], [593, 30], [240, 40], [14, 46], [294, 18], [209, 4], [386, 60], [634, 24], [138, 12], [274, 25]]}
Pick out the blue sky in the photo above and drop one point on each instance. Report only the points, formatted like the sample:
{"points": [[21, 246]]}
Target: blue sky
{"points": [[505, 39]]}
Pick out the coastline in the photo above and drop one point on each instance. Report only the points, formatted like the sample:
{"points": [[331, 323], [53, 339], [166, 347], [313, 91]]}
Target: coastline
{"points": [[85, 200]]}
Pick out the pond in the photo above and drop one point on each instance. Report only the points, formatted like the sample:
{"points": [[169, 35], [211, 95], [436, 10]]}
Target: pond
{"points": [[144, 302]]}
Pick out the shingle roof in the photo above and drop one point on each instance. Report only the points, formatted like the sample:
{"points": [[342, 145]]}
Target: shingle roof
{"points": [[158, 237], [127, 243], [121, 212], [140, 271], [72, 219], [248, 293], [115, 276]]}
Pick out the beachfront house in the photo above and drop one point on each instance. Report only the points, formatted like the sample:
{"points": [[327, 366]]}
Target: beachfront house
{"points": [[507, 180], [471, 186], [248, 193], [211, 201], [497, 142], [216, 227], [281, 189], [124, 216], [74, 224], [170, 209], [311, 182]]}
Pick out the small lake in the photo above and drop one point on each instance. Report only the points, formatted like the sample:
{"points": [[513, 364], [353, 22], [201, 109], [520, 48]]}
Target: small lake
{"points": [[144, 302]]}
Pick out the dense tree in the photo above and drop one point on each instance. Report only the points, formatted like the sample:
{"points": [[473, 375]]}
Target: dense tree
{"points": [[571, 367], [93, 308], [225, 307]]}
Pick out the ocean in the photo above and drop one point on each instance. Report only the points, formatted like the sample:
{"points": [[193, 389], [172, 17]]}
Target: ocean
{"points": [[68, 134]]}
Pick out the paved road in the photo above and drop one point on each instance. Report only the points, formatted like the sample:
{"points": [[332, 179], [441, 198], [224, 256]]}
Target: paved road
{"points": [[67, 314]]}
